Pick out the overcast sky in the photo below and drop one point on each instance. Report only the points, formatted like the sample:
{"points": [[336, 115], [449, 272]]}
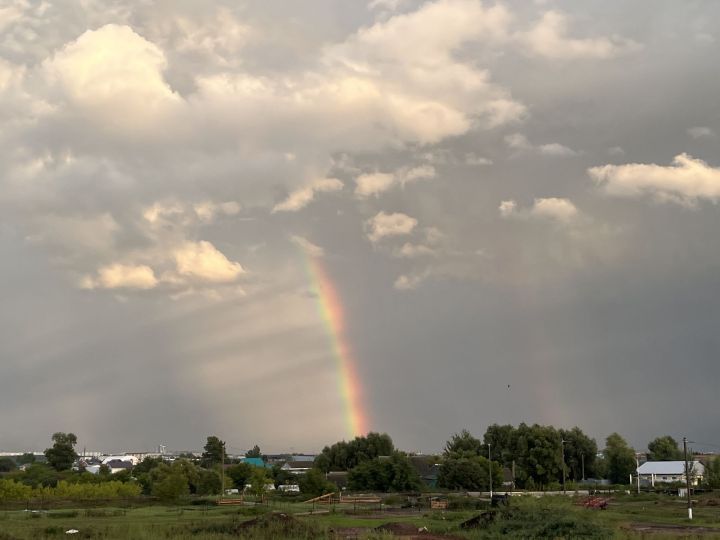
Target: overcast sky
{"points": [[516, 202]]}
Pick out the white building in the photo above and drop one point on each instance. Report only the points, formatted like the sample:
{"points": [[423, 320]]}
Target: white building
{"points": [[666, 472]]}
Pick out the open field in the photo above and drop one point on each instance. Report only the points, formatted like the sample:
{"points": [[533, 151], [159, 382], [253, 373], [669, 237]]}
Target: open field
{"points": [[627, 516]]}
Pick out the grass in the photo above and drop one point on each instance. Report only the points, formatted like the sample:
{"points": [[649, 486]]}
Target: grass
{"points": [[551, 517]]}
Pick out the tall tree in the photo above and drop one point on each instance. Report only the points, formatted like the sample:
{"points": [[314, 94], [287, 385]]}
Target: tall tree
{"points": [[501, 440], [712, 473], [240, 474], [254, 453], [214, 452], [343, 456], [62, 453], [470, 472], [579, 448], [664, 449], [620, 459], [463, 444], [394, 473], [538, 453]]}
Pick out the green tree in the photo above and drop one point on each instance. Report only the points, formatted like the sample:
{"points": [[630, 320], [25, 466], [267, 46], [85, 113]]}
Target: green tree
{"points": [[254, 453], [39, 475], [712, 473], [26, 458], [62, 453], [343, 456], [259, 481], [468, 473], [171, 486], [314, 484], [578, 448], [463, 444], [209, 483], [240, 474], [538, 453], [7, 464], [214, 452], [620, 459], [664, 449], [393, 473], [501, 440]]}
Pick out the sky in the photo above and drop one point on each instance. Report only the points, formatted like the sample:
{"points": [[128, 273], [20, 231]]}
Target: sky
{"points": [[286, 223]]}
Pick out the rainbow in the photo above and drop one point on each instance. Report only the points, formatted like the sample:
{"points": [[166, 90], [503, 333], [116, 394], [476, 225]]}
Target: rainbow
{"points": [[332, 313]]}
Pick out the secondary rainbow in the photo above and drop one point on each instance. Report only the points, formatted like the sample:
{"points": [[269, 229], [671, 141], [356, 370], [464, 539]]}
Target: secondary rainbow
{"points": [[332, 313]]}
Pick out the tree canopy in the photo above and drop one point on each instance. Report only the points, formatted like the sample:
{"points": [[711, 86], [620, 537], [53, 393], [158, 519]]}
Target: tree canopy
{"points": [[620, 459], [62, 454], [664, 449], [214, 452], [344, 456]]}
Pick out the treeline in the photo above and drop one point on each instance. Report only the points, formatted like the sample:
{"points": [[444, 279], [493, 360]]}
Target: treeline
{"points": [[528, 456]]}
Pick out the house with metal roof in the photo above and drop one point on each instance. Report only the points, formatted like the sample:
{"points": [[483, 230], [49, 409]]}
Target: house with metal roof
{"points": [[668, 472]]}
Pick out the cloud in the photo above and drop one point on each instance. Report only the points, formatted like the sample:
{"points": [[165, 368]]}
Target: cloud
{"points": [[560, 210], [413, 251], [474, 159], [201, 261], [388, 225], [113, 77], [299, 199], [122, 276], [549, 39], [684, 182], [519, 142], [310, 248], [700, 132], [373, 184], [207, 210]]}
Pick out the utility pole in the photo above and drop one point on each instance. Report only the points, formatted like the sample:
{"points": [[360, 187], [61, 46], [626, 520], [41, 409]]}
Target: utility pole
{"points": [[687, 479], [490, 470], [562, 449], [582, 458], [637, 472], [222, 469]]}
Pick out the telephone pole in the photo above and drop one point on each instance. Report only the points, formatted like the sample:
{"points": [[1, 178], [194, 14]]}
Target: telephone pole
{"points": [[562, 449], [490, 470], [222, 469], [687, 479]]}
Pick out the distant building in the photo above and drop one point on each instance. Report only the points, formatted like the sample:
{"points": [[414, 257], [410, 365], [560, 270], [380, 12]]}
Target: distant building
{"points": [[297, 467], [256, 462], [668, 472]]}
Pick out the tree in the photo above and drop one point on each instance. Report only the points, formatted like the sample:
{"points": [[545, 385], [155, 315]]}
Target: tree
{"points": [[240, 474], [463, 444], [343, 456], [664, 449], [537, 450], [259, 481], [579, 448], [712, 473], [7, 464], [501, 440], [26, 458], [214, 452], [314, 484], [393, 473], [209, 483], [620, 459], [254, 453], [470, 473], [171, 486], [62, 453]]}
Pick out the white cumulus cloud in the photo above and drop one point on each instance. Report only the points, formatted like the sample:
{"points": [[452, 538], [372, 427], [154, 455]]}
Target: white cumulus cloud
{"points": [[122, 276], [204, 262], [387, 225], [300, 198], [685, 181]]}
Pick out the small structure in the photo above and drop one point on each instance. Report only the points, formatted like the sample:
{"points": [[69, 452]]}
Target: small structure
{"points": [[438, 503], [668, 472], [297, 467]]}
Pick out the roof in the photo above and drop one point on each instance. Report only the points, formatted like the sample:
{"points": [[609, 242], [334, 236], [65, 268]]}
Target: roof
{"points": [[298, 465], [669, 467], [118, 464], [255, 462]]}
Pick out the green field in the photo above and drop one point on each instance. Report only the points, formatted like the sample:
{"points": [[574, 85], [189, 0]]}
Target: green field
{"points": [[627, 516]]}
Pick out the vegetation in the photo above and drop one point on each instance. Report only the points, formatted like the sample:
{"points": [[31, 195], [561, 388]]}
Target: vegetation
{"points": [[61, 455], [344, 456], [664, 449], [620, 459], [393, 473]]}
